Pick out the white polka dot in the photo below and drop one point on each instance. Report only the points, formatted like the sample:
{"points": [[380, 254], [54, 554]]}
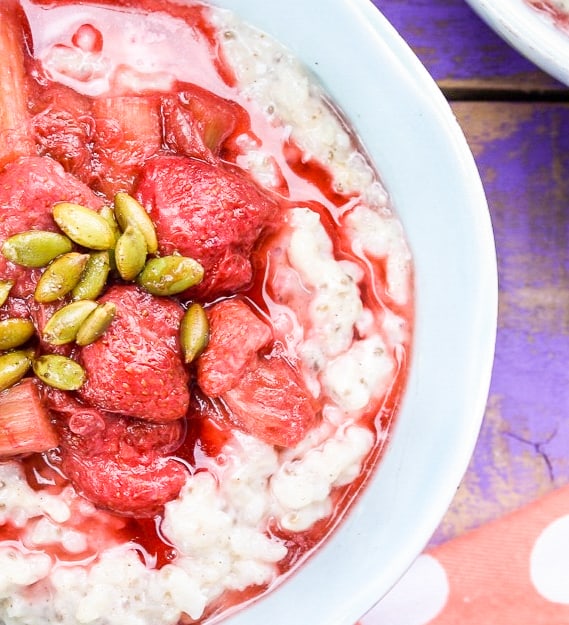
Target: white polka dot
{"points": [[420, 595], [549, 562]]}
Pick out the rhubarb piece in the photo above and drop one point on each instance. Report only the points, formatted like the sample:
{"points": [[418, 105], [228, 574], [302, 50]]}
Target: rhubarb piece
{"points": [[25, 425], [15, 137], [128, 132]]}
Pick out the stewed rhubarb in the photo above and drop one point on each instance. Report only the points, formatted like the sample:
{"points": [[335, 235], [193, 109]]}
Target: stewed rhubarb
{"points": [[25, 421]]}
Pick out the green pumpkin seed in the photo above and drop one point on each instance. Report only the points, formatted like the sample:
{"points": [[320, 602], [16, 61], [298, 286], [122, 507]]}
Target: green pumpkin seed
{"points": [[108, 214], [5, 288], [170, 275], [60, 277], [96, 324], [194, 332], [35, 248], [14, 366], [64, 324], [94, 276], [130, 212], [84, 226], [15, 332], [59, 371], [130, 253]]}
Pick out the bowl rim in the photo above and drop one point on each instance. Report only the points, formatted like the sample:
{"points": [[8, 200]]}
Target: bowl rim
{"points": [[532, 34], [394, 76], [437, 175]]}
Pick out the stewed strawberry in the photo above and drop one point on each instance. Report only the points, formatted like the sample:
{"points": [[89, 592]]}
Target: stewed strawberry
{"points": [[136, 368], [209, 212]]}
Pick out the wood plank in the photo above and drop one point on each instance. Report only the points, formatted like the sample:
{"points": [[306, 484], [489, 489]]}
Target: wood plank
{"points": [[460, 51], [522, 151]]}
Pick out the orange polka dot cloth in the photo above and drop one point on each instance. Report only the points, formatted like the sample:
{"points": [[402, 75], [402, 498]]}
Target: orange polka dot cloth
{"points": [[512, 571]]}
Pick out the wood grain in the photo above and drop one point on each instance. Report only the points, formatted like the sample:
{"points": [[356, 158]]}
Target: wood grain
{"points": [[462, 53], [522, 152]]}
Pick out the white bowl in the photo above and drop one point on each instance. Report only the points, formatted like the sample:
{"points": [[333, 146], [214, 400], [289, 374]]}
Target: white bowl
{"points": [[414, 139], [529, 31]]}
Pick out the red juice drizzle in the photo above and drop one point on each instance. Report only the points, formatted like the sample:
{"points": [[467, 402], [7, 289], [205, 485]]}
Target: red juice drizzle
{"points": [[314, 172], [146, 533], [10, 532]]}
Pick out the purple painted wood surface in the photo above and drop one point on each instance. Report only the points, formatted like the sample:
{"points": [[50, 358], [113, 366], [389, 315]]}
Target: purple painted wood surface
{"points": [[521, 146], [459, 49], [522, 151]]}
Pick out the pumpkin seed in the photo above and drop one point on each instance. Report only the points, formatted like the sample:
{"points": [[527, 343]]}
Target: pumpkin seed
{"points": [[14, 366], [59, 371], [60, 277], [94, 276], [15, 332], [35, 248], [5, 288], [84, 226], [64, 324], [130, 253], [169, 275], [108, 214], [194, 332], [96, 324], [130, 212]]}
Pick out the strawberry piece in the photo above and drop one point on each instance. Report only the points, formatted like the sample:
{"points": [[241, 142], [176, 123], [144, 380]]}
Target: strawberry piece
{"points": [[128, 131], [29, 187], [271, 403], [118, 463], [136, 367], [138, 491], [211, 213], [263, 396], [236, 334], [15, 138], [25, 425]]}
